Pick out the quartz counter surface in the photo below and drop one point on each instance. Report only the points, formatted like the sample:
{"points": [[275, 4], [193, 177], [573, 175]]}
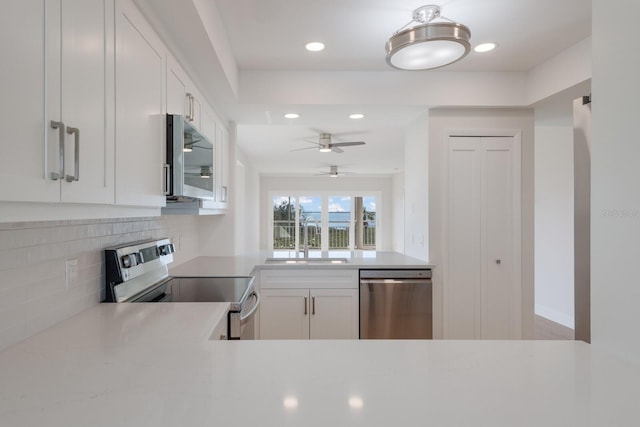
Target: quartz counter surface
{"points": [[154, 365], [244, 265]]}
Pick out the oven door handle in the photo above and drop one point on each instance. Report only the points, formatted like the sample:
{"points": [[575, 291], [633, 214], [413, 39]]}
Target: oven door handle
{"points": [[251, 312]]}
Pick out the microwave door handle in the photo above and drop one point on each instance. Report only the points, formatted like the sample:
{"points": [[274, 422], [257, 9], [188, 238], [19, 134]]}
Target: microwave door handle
{"points": [[167, 179]]}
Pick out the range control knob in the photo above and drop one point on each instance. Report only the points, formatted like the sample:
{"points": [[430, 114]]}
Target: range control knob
{"points": [[131, 260], [166, 249]]}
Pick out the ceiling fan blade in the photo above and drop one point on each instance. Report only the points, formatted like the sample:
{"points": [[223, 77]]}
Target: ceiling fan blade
{"points": [[336, 149], [311, 141], [347, 144], [305, 148]]}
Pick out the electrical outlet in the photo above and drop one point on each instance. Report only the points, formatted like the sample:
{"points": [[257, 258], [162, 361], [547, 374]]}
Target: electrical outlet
{"points": [[71, 273]]}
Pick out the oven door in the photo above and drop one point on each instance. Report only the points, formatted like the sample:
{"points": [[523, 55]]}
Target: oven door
{"points": [[242, 323]]}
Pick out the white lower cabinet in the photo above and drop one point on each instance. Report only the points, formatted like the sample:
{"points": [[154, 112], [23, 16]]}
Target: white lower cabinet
{"points": [[311, 304]]}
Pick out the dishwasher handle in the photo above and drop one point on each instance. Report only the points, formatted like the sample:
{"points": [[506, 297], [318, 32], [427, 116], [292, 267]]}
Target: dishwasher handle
{"points": [[394, 281]]}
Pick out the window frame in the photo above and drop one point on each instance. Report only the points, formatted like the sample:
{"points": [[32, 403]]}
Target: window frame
{"points": [[324, 203]]}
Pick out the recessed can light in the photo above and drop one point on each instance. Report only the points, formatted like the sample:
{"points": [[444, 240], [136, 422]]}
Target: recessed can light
{"points": [[314, 46], [485, 47], [356, 116], [291, 116]]}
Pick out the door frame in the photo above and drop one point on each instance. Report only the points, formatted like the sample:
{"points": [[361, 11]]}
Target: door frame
{"points": [[516, 244]]}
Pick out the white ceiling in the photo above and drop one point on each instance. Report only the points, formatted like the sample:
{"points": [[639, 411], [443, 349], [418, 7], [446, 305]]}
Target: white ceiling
{"points": [[271, 34]]}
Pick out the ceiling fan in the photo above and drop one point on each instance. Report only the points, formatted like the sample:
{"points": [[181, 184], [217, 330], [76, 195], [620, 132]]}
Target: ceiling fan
{"points": [[333, 172], [325, 145]]}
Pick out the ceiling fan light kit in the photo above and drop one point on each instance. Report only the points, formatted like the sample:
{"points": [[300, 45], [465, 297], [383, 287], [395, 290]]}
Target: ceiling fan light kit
{"points": [[429, 44]]}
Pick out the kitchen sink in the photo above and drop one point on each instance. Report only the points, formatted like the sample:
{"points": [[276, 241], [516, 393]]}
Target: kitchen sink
{"points": [[297, 261]]}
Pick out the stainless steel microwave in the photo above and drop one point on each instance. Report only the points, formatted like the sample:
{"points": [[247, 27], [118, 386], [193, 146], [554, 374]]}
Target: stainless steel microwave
{"points": [[190, 163]]}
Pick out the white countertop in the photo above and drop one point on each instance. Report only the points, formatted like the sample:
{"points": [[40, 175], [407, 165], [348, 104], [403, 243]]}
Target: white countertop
{"points": [[244, 265], [153, 365]]}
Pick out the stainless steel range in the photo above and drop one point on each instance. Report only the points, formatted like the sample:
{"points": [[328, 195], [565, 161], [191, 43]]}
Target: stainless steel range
{"points": [[138, 272]]}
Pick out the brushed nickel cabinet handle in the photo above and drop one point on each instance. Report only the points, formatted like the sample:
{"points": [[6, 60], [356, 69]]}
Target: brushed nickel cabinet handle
{"points": [[167, 176], [76, 157], [313, 305], [60, 127], [305, 306]]}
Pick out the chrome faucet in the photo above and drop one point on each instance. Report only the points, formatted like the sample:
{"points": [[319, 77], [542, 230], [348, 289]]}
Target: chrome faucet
{"points": [[305, 225]]}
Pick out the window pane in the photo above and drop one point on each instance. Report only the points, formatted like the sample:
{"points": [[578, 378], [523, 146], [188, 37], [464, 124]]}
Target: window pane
{"points": [[284, 222], [311, 220], [339, 222], [369, 223]]}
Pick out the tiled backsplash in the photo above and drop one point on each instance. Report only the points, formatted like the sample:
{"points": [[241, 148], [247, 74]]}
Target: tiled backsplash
{"points": [[33, 255]]}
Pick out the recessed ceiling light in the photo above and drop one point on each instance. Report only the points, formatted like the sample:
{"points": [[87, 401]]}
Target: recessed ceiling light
{"points": [[356, 116], [485, 47], [291, 116], [314, 46]]}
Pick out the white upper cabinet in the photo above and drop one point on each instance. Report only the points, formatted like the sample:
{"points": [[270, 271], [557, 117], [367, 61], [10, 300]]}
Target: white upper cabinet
{"points": [[182, 96], [140, 119], [57, 146], [222, 170]]}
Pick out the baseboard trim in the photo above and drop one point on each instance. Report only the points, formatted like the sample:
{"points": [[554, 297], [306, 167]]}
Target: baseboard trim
{"points": [[547, 329]]}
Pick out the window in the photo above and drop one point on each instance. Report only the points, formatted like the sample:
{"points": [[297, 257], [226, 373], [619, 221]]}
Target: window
{"points": [[326, 222]]}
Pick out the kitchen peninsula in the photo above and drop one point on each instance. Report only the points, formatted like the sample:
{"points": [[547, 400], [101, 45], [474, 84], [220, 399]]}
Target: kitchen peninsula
{"points": [[154, 365]]}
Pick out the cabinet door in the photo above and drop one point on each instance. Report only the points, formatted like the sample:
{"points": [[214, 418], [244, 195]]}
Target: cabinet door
{"points": [[83, 98], [222, 162], [284, 314], [27, 138], [334, 314], [176, 88], [140, 120]]}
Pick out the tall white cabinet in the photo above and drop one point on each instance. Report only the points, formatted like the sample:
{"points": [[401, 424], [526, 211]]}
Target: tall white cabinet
{"points": [[57, 144], [482, 286]]}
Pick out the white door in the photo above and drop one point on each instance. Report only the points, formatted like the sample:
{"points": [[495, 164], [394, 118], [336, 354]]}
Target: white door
{"points": [[334, 314], [176, 88], [284, 314], [481, 288], [140, 120], [84, 101], [27, 137]]}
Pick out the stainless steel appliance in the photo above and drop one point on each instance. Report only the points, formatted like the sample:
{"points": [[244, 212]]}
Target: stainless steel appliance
{"points": [[396, 304], [189, 169], [138, 272]]}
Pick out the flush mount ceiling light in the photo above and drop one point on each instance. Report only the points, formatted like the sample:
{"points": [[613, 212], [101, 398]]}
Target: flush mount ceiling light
{"points": [[356, 116], [291, 116], [424, 45]]}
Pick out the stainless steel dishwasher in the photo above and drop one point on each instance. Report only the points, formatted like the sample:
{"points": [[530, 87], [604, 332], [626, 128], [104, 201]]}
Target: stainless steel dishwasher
{"points": [[396, 304]]}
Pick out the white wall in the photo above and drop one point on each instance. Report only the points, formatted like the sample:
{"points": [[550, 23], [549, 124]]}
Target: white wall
{"points": [[416, 189], [247, 190], [342, 184], [441, 120], [554, 224], [397, 206], [615, 178]]}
